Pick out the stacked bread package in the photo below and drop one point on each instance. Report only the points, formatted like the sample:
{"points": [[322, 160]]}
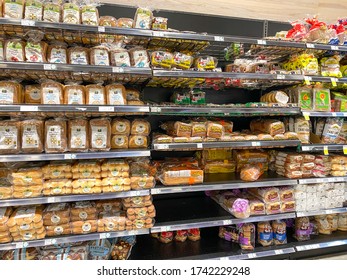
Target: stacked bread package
{"points": [[141, 177], [11, 92], [27, 182], [339, 165], [246, 157], [115, 176], [78, 135], [95, 94], [55, 136], [9, 137], [295, 166], [56, 219], [32, 139], [139, 132], [120, 130], [84, 217], [5, 235], [87, 177]]}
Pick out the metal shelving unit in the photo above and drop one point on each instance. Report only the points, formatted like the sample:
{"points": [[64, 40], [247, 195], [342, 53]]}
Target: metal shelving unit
{"points": [[322, 212], [324, 114], [322, 180], [324, 148]]}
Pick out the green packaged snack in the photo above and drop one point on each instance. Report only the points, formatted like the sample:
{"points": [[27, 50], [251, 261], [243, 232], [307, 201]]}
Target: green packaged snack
{"points": [[305, 98], [181, 98], [197, 97], [321, 99]]}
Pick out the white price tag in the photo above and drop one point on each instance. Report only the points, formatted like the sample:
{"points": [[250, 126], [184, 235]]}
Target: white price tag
{"points": [[334, 81], [334, 114], [224, 259], [28, 108], [199, 145], [252, 255], [101, 29], [49, 67], [27, 22], [261, 42], [106, 109], [48, 242], [137, 193], [305, 148], [307, 80], [163, 146], [155, 191], [227, 222], [281, 77], [329, 212], [226, 114], [164, 229], [70, 156], [278, 252], [104, 235], [219, 38], [310, 46], [156, 109], [345, 149], [256, 144], [133, 232], [158, 34], [20, 245], [51, 199], [117, 69], [334, 48]]}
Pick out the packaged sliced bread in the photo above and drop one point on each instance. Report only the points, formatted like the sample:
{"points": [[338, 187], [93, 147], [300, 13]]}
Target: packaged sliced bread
{"points": [[10, 92], [89, 15], [32, 94], [9, 137], [55, 136], [71, 13], [74, 94], [116, 94], [14, 50], [33, 10], [52, 11], [100, 134], [78, 135], [78, 55], [95, 95], [32, 136], [57, 53], [99, 55], [13, 9], [52, 92]]}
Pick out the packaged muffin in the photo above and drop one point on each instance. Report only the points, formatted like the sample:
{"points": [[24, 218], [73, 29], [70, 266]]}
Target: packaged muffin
{"points": [[100, 134], [78, 55], [99, 56], [89, 15], [35, 51], [32, 136], [55, 136], [13, 9], [33, 10], [78, 135], [74, 94], [32, 94], [95, 95], [9, 137], [52, 93], [143, 18], [120, 57], [71, 13], [10, 92], [14, 50], [57, 53], [139, 57], [120, 126], [116, 94], [52, 11]]}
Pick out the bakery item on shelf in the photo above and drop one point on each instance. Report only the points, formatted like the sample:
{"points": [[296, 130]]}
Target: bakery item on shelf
{"points": [[57, 53], [10, 137], [111, 221], [324, 226], [302, 229], [57, 187], [32, 132], [247, 236], [78, 140], [95, 94], [56, 214], [52, 93], [109, 205], [140, 127], [120, 126], [14, 50], [11, 92], [35, 51], [55, 136], [74, 95], [265, 234], [115, 94], [100, 134], [89, 15], [78, 55], [57, 170], [279, 232], [120, 142], [143, 18], [99, 55], [32, 94], [138, 141], [250, 172]]}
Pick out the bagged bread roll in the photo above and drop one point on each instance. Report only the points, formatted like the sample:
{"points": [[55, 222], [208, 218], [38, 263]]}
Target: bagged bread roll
{"points": [[27, 176], [333, 221], [119, 142], [78, 55], [265, 234], [87, 166], [25, 215], [63, 229], [9, 137], [109, 205], [99, 56], [323, 224], [143, 18], [133, 95], [32, 136], [115, 94], [342, 222], [14, 50], [35, 51], [139, 57], [279, 232], [10, 92], [71, 13], [52, 93], [110, 22], [74, 94], [89, 15], [84, 207], [33, 10], [302, 229], [55, 136], [250, 173], [78, 135], [182, 61], [120, 126], [57, 187], [100, 134], [111, 221], [32, 94], [138, 141], [52, 12], [13, 9], [57, 170], [56, 214], [84, 227], [120, 57], [137, 201], [95, 95], [57, 53], [140, 127]]}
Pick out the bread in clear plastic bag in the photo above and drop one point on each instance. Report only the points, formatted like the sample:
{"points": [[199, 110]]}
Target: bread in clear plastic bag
{"points": [[35, 51], [32, 94], [33, 10], [89, 15], [84, 227], [57, 187], [279, 232], [159, 23], [32, 136], [107, 21], [250, 172], [30, 176], [57, 230], [11, 92], [55, 136], [138, 141], [52, 93], [139, 57], [162, 59], [203, 63], [74, 95], [214, 130], [119, 141], [247, 236], [52, 12], [115, 94], [22, 254], [73, 253], [302, 229], [134, 213], [95, 94], [10, 137], [120, 126], [71, 13], [115, 184], [13, 9], [109, 205], [265, 234], [99, 55], [181, 175], [14, 50], [57, 170], [111, 221], [137, 201], [99, 249], [57, 53], [25, 215], [56, 214], [140, 127], [78, 135], [120, 57], [143, 18], [78, 55], [100, 134], [86, 186], [323, 224]]}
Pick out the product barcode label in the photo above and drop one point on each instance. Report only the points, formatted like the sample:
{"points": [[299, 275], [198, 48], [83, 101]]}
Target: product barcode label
{"points": [[117, 69], [219, 38], [156, 109], [310, 46], [305, 148], [101, 28], [104, 235], [261, 42], [106, 109], [310, 247], [28, 108], [27, 22], [281, 77], [49, 67]]}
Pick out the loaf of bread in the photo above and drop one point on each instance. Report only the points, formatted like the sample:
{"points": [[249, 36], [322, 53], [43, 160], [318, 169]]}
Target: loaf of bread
{"points": [[71, 13], [137, 201], [35, 52], [138, 142], [120, 126], [14, 50], [57, 170], [78, 55], [199, 129], [74, 94], [57, 53], [133, 95], [107, 21], [302, 229], [119, 142], [10, 92], [56, 214], [142, 182], [78, 135], [88, 207], [95, 95], [9, 137], [13, 9], [215, 130], [323, 224], [100, 134], [279, 232], [333, 221], [99, 56], [120, 57], [115, 94], [269, 126], [342, 222], [32, 94], [181, 129], [52, 93], [250, 172], [115, 166], [51, 12], [139, 57], [265, 234], [32, 136], [180, 175], [89, 15], [55, 136], [247, 236], [33, 10], [143, 18], [62, 229], [25, 215], [140, 127]]}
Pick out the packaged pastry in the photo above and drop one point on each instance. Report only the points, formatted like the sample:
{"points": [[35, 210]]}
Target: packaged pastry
{"points": [[95, 95], [32, 94], [116, 94], [203, 63], [138, 141], [100, 134], [55, 136], [9, 137], [27, 176], [84, 227], [35, 51], [74, 95], [14, 50], [83, 209], [111, 221], [99, 55], [162, 59], [89, 15], [57, 53], [52, 11], [119, 142], [140, 127], [279, 232], [229, 233], [57, 170], [247, 236], [33, 10], [143, 18], [22, 254], [56, 214], [52, 93], [182, 61], [120, 126], [57, 187], [13, 9], [57, 253], [137, 201], [250, 173], [109, 205], [86, 186], [71, 13], [115, 184], [159, 23], [120, 57], [194, 234], [122, 249], [302, 229], [181, 235], [139, 57], [78, 55], [32, 136], [99, 249], [87, 167], [78, 135], [333, 221], [265, 234]]}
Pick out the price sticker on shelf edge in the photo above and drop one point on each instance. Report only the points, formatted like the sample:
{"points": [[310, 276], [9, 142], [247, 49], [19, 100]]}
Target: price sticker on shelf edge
{"points": [[310, 46], [329, 212], [106, 109], [27, 22], [227, 222], [117, 69], [51, 200], [307, 80], [281, 77], [50, 242], [101, 29], [344, 149], [261, 42], [20, 245], [28, 108], [163, 146], [252, 255], [104, 235], [49, 67], [165, 229], [334, 48], [256, 144], [326, 150], [306, 116], [70, 156], [219, 38], [278, 252], [199, 145], [334, 81], [158, 34]]}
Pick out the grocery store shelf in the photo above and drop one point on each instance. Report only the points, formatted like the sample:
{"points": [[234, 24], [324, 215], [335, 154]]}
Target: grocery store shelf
{"points": [[70, 198], [324, 114], [322, 180], [324, 147], [70, 238], [223, 111], [199, 212], [225, 144], [74, 108], [322, 212], [226, 181], [69, 156]]}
